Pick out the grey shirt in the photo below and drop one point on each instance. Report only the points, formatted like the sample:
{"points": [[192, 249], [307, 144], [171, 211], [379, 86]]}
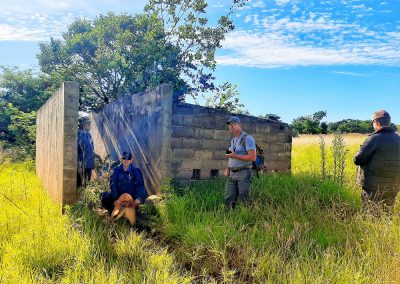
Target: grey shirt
{"points": [[236, 146]]}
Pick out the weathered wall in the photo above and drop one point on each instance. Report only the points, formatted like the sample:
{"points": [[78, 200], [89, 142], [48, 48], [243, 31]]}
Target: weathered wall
{"points": [[56, 146], [199, 136], [140, 124]]}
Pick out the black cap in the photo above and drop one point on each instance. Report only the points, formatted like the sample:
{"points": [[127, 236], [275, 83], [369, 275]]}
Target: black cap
{"points": [[126, 156]]}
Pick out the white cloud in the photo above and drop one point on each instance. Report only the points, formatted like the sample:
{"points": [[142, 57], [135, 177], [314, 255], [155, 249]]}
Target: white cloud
{"points": [[346, 73], [88, 7], [218, 4], [271, 50], [37, 27], [37, 20], [282, 2]]}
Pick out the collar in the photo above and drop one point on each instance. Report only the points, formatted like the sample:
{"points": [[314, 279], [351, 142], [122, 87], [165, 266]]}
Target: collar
{"points": [[384, 129], [240, 135], [130, 168]]}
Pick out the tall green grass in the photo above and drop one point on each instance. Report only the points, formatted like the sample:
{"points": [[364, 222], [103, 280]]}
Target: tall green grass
{"points": [[40, 245], [299, 228]]}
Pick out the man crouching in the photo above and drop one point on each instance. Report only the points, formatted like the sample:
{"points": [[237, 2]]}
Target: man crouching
{"points": [[127, 190]]}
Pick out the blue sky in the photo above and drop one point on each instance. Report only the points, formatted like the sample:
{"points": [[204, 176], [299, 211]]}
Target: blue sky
{"points": [[288, 57]]}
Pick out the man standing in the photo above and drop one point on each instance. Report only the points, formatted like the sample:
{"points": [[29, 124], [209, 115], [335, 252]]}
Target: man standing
{"points": [[241, 154], [379, 161], [85, 151]]}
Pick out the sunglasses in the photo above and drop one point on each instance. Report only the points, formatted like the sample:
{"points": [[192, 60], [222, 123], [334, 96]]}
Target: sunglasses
{"points": [[127, 158]]}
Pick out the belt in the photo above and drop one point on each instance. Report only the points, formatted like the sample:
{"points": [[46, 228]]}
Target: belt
{"points": [[235, 170]]}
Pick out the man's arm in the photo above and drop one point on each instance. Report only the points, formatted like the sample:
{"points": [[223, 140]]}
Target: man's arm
{"points": [[141, 192], [250, 157], [366, 151]]}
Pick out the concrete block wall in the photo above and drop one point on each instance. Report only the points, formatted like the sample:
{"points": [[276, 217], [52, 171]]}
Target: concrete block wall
{"points": [[56, 143], [141, 124], [199, 136]]}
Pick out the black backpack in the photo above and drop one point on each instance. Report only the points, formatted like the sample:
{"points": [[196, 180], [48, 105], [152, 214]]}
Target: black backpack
{"points": [[258, 164]]}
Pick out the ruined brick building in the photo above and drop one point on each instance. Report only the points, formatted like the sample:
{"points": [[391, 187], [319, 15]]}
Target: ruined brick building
{"points": [[180, 141]]}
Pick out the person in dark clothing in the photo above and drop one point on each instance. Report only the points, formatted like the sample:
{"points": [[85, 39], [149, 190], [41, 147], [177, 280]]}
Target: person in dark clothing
{"points": [[126, 179], [85, 151], [379, 162]]}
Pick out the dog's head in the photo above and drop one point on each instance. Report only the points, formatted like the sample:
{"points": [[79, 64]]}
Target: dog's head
{"points": [[125, 200]]}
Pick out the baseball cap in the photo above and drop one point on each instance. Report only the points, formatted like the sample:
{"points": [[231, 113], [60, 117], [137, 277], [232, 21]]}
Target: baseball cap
{"points": [[233, 119], [126, 156]]}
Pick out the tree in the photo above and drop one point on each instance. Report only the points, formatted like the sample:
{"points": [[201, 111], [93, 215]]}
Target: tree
{"points": [[117, 55], [309, 124], [271, 116], [21, 94], [23, 89], [324, 128], [227, 98], [350, 126], [111, 56], [319, 115]]}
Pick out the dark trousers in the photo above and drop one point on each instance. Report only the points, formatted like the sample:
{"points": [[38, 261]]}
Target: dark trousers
{"points": [[107, 201]]}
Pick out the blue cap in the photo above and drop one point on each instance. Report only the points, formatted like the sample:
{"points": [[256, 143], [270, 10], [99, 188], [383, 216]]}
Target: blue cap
{"points": [[126, 156], [233, 119]]}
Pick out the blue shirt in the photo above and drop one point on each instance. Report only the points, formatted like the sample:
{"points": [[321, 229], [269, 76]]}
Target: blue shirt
{"points": [[240, 146], [85, 149], [130, 181]]}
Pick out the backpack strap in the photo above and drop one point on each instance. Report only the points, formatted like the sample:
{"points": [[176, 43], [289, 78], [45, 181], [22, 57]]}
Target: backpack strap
{"points": [[243, 140]]}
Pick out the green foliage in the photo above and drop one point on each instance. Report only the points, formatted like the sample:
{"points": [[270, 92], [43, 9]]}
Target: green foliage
{"points": [[115, 55], [21, 94], [351, 126], [271, 116], [309, 124], [112, 56], [339, 152], [322, 147], [226, 98], [313, 125]]}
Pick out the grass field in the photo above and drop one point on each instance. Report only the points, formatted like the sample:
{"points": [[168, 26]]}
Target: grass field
{"points": [[39, 245], [299, 228]]}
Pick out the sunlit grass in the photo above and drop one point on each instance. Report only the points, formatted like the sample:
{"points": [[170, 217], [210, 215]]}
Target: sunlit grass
{"points": [[40, 245], [306, 157], [298, 229]]}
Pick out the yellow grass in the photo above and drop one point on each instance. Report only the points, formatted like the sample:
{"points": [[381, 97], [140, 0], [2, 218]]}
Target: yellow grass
{"points": [[306, 154]]}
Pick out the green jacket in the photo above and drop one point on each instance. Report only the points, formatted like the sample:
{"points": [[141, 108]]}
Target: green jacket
{"points": [[379, 161]]}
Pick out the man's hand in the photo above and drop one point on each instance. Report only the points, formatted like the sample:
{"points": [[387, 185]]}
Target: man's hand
{"points": [[227, 172], [231, 155]]}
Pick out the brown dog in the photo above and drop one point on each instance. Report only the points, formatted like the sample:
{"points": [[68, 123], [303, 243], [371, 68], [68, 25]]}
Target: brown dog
{"points": [[124, 206]]}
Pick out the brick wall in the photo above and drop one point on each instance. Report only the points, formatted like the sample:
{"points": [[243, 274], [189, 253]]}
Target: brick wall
{"points": [[56, 143], [199, 136]]}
